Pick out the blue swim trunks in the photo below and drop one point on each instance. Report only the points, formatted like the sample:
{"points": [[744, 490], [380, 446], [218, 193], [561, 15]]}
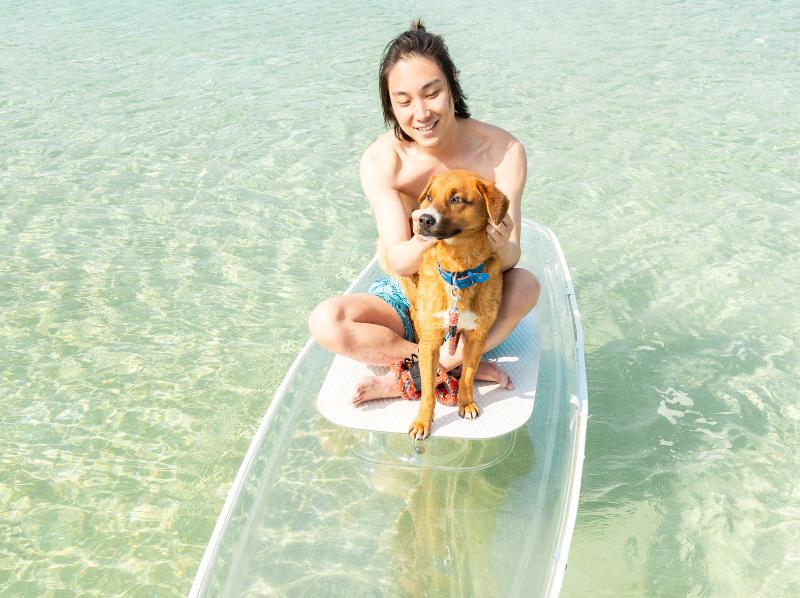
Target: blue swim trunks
{"points": [[389, 290]]}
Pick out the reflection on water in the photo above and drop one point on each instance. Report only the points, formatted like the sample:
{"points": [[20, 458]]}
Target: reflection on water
{"points": [[446, 540], [447, 533]]}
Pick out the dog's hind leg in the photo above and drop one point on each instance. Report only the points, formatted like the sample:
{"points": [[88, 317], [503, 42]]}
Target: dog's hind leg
{"points": [[428, 363], [473, 349]]}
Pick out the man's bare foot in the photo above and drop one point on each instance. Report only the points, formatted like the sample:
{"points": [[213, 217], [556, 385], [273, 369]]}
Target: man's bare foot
{"points": [[489, 372], [385, 386], [376, 387]]}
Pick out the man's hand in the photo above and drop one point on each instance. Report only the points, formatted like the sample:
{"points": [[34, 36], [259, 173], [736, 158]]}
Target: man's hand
{"points": [[499, 235]]}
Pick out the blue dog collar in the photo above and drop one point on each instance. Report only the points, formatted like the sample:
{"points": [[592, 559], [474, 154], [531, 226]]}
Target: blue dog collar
{"points": [[462, 280]]}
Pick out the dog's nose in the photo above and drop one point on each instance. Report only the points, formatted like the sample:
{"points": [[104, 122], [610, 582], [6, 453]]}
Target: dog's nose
{"points": [[426, 221]]}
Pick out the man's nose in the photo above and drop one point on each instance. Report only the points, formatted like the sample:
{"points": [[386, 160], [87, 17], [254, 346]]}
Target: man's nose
{"points": [[420, 110]]}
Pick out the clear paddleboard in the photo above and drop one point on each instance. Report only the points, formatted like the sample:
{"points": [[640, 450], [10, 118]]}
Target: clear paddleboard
{"points": [[330, 508]]}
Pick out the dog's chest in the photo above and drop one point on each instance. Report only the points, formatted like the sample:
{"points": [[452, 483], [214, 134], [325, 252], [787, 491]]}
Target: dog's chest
{"points": [[435, 300]]}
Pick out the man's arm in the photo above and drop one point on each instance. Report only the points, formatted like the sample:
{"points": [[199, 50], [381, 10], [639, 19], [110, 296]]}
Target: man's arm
{"points": [[403, 248], [510, 177]]}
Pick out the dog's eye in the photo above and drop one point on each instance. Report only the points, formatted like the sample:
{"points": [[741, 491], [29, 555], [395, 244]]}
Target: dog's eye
{"points": [[456, 199], [428, 198]]}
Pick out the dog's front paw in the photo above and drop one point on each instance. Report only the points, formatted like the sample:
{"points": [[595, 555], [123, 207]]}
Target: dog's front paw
{"points": [[470, 411], [419, 429]]}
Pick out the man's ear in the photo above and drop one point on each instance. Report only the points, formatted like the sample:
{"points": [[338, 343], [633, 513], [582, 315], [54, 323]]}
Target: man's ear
{"points": [[496, 201]]}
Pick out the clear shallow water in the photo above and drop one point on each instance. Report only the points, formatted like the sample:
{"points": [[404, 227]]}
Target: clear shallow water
{"points": [[178, 188]]}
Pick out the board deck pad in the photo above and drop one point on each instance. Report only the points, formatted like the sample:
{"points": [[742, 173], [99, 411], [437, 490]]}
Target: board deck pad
{"points": [[502, 410]]}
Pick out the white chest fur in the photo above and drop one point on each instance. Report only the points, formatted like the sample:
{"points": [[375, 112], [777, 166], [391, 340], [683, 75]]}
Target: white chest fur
{"points": [[467, 320]]}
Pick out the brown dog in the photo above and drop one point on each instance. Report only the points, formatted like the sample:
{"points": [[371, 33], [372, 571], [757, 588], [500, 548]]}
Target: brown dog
{"points": [[456, 207]]}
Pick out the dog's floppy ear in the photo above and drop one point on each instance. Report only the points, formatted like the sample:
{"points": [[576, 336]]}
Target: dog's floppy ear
{"points": [[496, 201], [426, 190]]}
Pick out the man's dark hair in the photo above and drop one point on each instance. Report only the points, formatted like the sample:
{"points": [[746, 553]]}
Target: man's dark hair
{"points": [[418, 42]]}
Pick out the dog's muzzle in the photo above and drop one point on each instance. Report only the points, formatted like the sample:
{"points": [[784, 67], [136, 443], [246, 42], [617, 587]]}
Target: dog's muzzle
{"points": [[436, 226]]}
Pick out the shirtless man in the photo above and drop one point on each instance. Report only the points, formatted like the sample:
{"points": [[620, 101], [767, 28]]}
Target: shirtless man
{"points": [[432, 132]]}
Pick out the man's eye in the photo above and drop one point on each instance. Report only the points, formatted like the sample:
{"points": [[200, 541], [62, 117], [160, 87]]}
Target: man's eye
{"points": [[433, 95]]}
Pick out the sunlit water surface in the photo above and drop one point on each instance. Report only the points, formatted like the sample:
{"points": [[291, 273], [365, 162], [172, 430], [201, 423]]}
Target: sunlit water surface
{"points": [[179, 187]]}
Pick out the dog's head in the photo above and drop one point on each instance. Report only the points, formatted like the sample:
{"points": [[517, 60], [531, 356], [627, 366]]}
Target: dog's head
{"points": [[457, 202]]}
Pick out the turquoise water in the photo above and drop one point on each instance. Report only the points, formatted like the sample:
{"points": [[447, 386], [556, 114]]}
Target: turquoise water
{"points": [[179, 187]]}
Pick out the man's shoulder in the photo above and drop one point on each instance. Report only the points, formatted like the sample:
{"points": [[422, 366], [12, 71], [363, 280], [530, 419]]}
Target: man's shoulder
{"points": [[494, 137], [503, 151], [382, 156], [386, 146]]}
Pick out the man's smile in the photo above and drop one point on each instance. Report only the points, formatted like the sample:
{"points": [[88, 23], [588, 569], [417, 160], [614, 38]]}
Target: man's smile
{"points": [[426, 128]]}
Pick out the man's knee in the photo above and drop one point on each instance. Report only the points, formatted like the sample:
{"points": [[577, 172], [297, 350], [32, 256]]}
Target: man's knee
{"points": [[325, 322], [533, 289], [525, 288]]}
